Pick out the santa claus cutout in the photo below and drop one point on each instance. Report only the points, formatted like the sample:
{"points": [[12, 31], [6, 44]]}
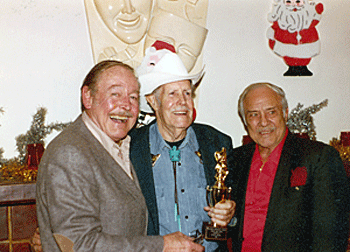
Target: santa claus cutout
{"points": [[293, 35]]}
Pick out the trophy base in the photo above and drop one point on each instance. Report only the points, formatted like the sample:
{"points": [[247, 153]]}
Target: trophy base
{"points": [[212, 233]]}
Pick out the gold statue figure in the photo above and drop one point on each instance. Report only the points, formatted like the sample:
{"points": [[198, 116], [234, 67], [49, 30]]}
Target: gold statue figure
{"points": [[215, 194]]}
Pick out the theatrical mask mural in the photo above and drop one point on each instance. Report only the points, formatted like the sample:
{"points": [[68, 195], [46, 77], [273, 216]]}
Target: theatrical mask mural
{"points": [[194, 11], [187, 37], [293, 35], [123, 29]]}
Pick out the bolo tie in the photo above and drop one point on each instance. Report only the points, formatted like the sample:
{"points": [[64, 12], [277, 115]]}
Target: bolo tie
{"points": [[174, 154]]}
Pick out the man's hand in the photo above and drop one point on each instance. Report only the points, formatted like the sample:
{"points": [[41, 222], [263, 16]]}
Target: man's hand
{"points": [[222, 213], [179, 242], [35, 241]]}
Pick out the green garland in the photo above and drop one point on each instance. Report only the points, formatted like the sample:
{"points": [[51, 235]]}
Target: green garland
{"points": [[35, 135], [301, 121]]}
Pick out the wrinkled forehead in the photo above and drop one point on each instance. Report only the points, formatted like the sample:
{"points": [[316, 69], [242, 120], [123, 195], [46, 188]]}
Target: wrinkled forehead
{"points": [[262, 95], [118, 76], [176, 85]]}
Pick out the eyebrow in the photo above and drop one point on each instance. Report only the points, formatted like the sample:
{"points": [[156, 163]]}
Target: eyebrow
{"points": [[251, 111], [137, 90], [256, 110]]}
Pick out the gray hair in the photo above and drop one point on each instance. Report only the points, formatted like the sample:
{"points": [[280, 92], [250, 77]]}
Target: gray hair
{"points": [[279, 91]]}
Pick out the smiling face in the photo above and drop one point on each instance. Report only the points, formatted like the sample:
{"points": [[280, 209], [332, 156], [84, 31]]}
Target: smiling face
{"points": [[127, 19], [114, 106], [265, 120], [173, 105]]}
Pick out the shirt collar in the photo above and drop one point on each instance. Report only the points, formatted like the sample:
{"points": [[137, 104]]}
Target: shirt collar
{"points": [[158, 143], [103, 138], [276, 153]]}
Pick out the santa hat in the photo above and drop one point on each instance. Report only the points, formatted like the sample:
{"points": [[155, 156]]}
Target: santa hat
{"points": [[161, 65]]}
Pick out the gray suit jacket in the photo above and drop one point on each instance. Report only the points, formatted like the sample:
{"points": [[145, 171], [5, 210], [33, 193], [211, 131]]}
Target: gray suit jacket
{"points": [[85, 198]]}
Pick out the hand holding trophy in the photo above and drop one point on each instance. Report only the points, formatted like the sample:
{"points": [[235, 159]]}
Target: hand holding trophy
{"points": [[219, 192]]}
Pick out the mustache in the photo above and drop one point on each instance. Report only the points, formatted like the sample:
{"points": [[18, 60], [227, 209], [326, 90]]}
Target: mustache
{"points": [[266, 129], [180, 108], [122, 114]]}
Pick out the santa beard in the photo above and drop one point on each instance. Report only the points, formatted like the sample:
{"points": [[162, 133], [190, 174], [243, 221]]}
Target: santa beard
{"points": [[293, 21]]}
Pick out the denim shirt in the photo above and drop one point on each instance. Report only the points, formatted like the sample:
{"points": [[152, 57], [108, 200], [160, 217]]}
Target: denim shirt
{"points": [[191, 186]]}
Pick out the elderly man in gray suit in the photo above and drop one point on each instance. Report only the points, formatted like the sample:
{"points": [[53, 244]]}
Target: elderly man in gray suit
{"points": [[88, 197]]}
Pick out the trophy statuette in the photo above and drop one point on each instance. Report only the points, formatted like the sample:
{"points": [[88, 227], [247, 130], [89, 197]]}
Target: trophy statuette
{"points": [[219, 192]]}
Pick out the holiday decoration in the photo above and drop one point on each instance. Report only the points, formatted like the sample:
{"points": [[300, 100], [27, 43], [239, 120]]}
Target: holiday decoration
{"points": [[14, 172], [30, 146], [301, 121], [343, 147], [345, 138], [293, 35], [1, 149], [37, 132], [33, 155]]}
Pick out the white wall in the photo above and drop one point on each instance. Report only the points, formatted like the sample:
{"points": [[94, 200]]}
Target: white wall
{"points": [[45, 53], [237, 54]]}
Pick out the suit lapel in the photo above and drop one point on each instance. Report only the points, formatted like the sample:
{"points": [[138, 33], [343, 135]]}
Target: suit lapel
{"points": [[110, 166], [207, 157], [141, 159], [243, 162], [207, 147], [289, 160], [120, 176]]}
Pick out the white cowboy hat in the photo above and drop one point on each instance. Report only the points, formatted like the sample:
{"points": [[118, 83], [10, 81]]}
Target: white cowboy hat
{"points": [[160, 67]]}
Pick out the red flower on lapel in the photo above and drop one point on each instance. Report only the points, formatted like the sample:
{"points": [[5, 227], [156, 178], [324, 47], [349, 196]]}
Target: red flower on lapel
{"points": [[298, 177]]}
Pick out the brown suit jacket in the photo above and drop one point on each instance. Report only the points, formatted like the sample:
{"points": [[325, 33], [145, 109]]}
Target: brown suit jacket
{"points": [[86, 199]]}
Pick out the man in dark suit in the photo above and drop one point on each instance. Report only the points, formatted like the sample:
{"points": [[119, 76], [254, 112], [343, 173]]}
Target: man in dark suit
{"points": [[175, 190], [292, 194], [88, 197]]}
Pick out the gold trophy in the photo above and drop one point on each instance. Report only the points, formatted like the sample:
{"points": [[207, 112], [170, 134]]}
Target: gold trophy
{"points": [[215, 194]]}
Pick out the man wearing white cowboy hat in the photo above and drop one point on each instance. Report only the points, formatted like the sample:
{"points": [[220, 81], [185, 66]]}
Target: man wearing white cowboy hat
{"points": [[174, 185]]}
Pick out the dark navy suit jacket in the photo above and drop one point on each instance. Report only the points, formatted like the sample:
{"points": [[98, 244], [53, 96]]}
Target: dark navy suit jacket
{"points": [[209, 139]]}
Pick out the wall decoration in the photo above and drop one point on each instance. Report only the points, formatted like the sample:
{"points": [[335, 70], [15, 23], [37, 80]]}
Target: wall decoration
{"points": [[119, 28], [186, 37], [293, 35], [194, 11]]}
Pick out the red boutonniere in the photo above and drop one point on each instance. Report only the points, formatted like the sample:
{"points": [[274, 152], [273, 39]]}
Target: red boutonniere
{"points": [[298, 177]]}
